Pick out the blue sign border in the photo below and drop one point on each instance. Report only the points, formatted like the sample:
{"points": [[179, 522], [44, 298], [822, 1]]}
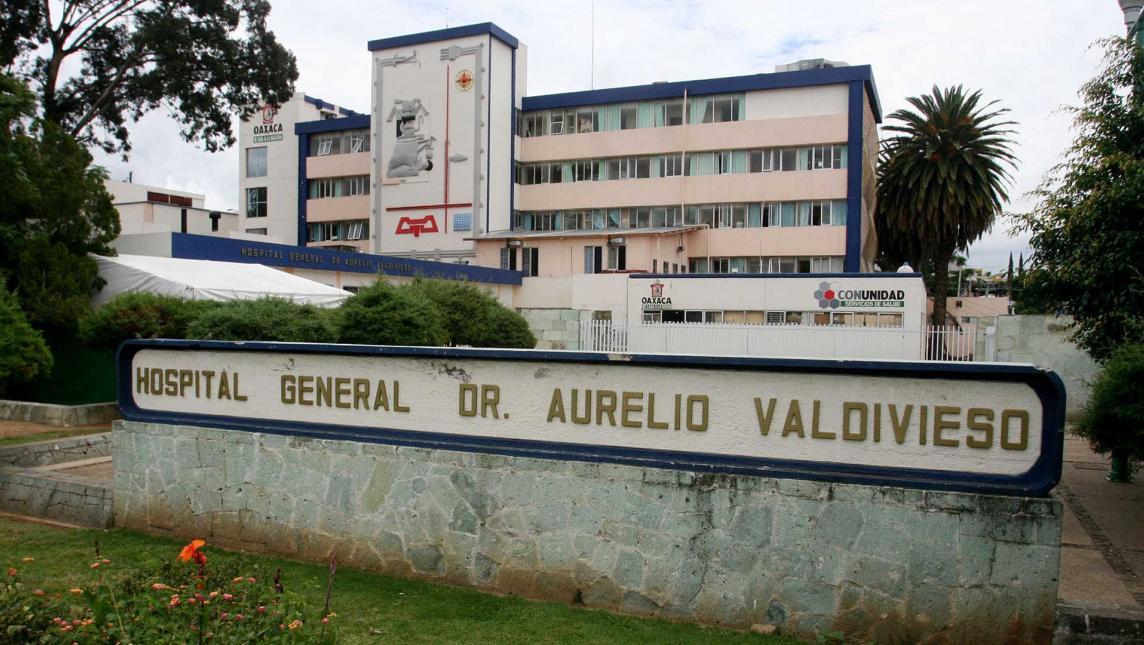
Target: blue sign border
{"points": [[1036, 482]]}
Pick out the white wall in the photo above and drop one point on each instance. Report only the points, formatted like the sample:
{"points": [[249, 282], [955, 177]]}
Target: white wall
{"points": [[797, 102]]}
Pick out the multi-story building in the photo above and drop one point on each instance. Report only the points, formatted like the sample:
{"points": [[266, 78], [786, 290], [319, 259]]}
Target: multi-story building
{"points": [[151, 209], [269, 167], [761, 174]]}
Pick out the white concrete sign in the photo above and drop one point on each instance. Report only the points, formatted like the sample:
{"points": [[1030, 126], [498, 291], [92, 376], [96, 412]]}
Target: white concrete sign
{"points": [[976, 426]]}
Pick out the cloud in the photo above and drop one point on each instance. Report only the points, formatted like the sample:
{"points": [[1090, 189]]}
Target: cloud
{"points": [[1030, 55]]}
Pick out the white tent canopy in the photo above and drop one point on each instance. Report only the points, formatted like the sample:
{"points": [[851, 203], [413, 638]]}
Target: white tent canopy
{"points": [[208, 280]]}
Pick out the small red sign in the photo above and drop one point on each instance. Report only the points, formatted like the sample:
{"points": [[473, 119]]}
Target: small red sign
{"points": [[417, 225]]}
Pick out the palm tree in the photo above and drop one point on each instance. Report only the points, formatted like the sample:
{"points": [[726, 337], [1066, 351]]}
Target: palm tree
{"points": [[942, 179]]}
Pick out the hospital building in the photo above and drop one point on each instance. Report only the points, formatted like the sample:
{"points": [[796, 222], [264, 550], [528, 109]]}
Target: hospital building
{"points": [[455, 161]]}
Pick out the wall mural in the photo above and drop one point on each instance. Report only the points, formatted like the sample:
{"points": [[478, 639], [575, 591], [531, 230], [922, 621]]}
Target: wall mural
{"points": [[413, 151]]}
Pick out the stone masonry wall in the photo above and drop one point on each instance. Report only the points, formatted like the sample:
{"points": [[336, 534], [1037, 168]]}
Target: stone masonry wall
{"points": [[556, 328], [54, 451], [879, 564], [58, 415]]}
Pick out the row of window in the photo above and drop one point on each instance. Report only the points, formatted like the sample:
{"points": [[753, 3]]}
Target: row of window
{"points": [[334, 231], [830, 212], [817, 318], [629, 116], [752, 264], [338, 187], [339, 143], [528, 260], [672, 165]]}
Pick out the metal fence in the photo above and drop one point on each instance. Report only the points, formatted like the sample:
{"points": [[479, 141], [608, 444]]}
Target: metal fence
{"points": [[788, 341]]}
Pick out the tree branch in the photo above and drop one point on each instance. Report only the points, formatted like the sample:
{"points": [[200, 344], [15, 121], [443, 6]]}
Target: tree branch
{"points": [[96, 105]]}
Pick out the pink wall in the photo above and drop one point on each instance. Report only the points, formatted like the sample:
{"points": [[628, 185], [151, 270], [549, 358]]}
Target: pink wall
{"points": [[330, 209], [346, 165]]}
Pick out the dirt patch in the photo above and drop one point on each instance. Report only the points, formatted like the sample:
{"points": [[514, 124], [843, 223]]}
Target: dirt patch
{"points": [[14, 431]]}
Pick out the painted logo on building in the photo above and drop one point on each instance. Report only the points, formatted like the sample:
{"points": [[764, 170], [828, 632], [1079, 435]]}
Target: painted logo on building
{"points": [[829, 296], [656, 301], [417, 225], [268, 130], [412, 150], [464, 80]]}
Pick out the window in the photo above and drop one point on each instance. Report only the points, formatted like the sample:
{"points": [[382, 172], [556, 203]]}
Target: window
{"points": [[325, 145], [530, 261], [256, 202], [338, 143], [256, 162], [627, 117], [593, 256], [256, 231], [508, 258], [617, 258], [338, 187], [670, 165]]}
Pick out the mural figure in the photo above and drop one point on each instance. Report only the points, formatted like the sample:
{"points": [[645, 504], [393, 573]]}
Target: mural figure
{"points": [[413, 151]]}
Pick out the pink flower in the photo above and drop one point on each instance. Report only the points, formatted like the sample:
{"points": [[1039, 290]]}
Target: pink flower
{"points": [[228, 597], [262, 610], [158, 586], [239, 616]]}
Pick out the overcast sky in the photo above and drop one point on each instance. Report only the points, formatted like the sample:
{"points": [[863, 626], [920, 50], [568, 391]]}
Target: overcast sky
{"points": [[1030, 55]]}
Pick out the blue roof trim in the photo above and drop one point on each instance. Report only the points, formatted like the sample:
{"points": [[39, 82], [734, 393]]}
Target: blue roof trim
{"points": [[777, 80], [206, 247], [854, 166], [465, 31], [326, 105], [676, 276], [332, 125], [1037, 481]]}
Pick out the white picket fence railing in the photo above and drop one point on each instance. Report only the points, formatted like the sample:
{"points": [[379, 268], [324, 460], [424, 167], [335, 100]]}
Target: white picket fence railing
{"points": [[788, 341]]}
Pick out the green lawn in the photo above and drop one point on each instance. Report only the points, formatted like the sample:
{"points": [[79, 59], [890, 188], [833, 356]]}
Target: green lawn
{"points": [[370, 608], [62, 433]]}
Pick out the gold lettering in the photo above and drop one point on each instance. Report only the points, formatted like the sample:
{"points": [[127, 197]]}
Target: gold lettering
{"points": [[900, 425], [693, 402], [186, 380], [141, 383], [397, 407], [325, 392], [342, 389], [171, 378], [628, 406], [609, 407], [793, 422], [238, 396], [923, 412], [555, 406], [940, 423], [208, 376], [877, 422], [1022, 441], [586, 418], [361, 393], [848, 408], [765, 418], [381, 397], [814, 433], [678, 407], [467, 400], [305, 386], [156, 379], [223, 386], [289, 386], [651, 422], [986, 440], [490, 397]]}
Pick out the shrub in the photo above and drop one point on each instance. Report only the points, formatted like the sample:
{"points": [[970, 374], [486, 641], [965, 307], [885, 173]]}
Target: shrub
{"points": [[23, 353], [270, 319], [140, 315], [226, 602], [383, 314], [1113, 420], [475, 318]]}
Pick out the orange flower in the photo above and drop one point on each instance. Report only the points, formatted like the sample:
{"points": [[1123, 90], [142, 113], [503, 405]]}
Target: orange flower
{"points": [[191, 552], [12, 572]]}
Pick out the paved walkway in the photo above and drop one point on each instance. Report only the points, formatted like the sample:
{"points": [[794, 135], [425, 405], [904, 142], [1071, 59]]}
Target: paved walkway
{"points": [[1102, 539]]}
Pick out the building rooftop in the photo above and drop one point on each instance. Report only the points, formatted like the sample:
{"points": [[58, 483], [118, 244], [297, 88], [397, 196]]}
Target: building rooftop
{"points": [[445, 34], [513, 235]]}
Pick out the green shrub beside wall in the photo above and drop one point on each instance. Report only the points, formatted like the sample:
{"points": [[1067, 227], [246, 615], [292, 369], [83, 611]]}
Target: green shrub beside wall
{"points": [[140, 315], [270, 319], [475, 318], [382, 314]]}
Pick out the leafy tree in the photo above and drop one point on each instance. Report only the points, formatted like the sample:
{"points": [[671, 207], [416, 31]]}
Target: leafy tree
{"points": [[97, 65], [941, 179], [271, 319], [474, 318], [1113, 419], [54, 212], [382, 314], [23, 353], [1087, 229]]}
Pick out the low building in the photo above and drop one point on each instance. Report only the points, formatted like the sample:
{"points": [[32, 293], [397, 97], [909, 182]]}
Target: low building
{"points": [[150, 209]]}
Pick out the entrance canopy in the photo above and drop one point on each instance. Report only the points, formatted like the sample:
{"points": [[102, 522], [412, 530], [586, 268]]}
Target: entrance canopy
{"points": [[208, 280]]}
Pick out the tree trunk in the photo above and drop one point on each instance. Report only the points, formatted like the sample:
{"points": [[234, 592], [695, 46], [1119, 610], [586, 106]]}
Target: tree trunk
{"points": [[940, 287]]}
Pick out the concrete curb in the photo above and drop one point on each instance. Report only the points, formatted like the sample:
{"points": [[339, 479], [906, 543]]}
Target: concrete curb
{"points": [[59, 415], [1080, 624], [55, 451]]}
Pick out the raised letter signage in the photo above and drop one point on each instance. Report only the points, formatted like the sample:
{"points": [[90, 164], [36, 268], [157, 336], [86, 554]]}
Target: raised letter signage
{"points": [[995, 428]]}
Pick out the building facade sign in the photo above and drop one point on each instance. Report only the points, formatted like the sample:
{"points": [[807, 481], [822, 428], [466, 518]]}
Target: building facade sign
{"points": [[990, 428]]}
